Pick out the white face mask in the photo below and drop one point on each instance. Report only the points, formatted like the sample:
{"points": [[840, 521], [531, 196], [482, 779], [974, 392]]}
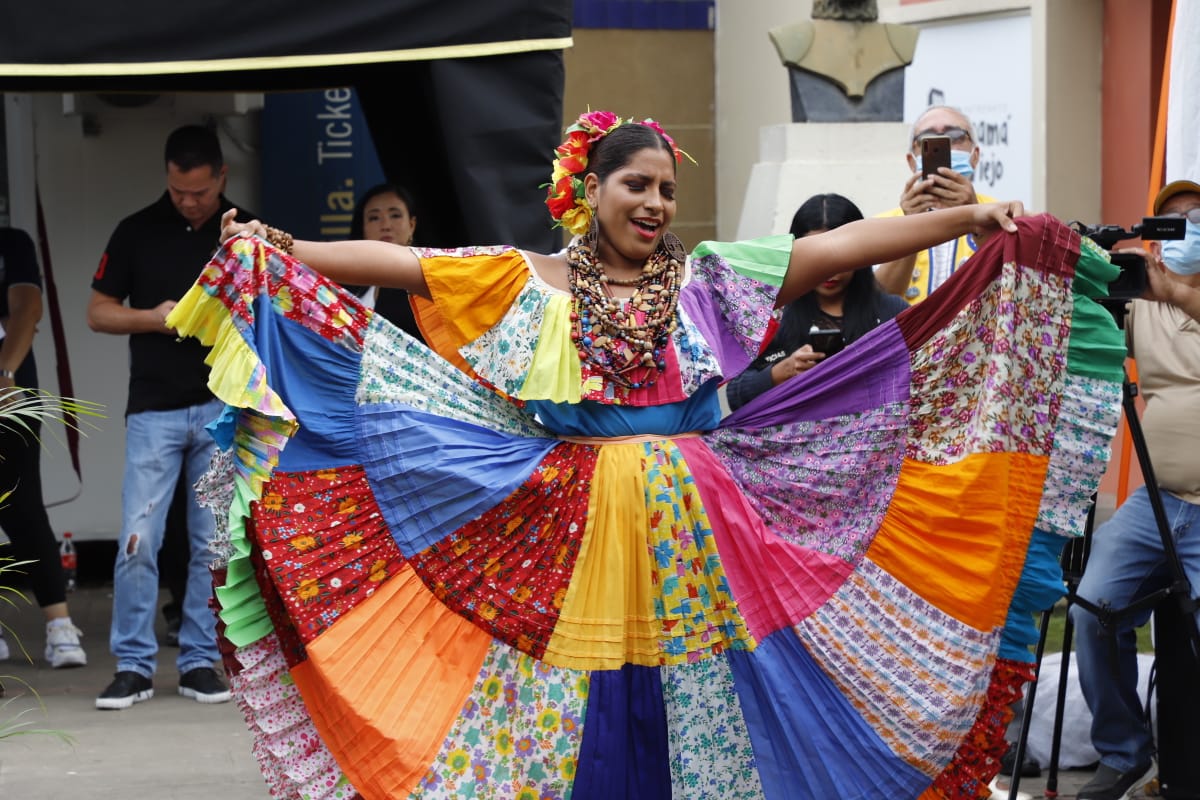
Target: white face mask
{"points": [[960, 162], [1182, 256]]}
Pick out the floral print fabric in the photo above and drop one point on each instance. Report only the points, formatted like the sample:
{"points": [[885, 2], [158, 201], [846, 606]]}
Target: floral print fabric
{"points": [[1021, 319], [324, 544], [518, 735]]}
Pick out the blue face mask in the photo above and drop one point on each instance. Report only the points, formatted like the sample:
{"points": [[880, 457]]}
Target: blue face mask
{"points": [[1182, 256], [960, 162]]}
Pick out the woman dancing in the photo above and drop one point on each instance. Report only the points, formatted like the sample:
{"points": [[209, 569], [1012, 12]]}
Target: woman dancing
{"points": [[555, 571]]}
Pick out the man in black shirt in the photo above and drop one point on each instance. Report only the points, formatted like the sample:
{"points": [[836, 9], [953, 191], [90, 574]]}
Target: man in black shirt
{"points": [[151, 261]]}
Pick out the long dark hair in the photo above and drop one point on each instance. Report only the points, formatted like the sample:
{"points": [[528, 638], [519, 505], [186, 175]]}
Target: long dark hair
{"points": [[824, 212], [356, 220]]}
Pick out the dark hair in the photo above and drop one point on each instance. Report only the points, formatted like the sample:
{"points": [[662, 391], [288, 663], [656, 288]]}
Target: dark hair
{"points": [[617, 148], [194, 146], [859, 314], [823, 212], [356, 220]]}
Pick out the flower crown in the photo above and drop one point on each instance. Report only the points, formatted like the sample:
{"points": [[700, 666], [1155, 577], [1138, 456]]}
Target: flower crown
{"points": [[565, 196]]}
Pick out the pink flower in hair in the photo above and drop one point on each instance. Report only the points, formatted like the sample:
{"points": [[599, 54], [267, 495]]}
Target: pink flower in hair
{"points": [[598, 123], [649, 123]]}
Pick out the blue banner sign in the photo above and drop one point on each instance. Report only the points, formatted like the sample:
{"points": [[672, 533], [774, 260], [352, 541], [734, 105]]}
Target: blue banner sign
{"points": [[317, 158]]}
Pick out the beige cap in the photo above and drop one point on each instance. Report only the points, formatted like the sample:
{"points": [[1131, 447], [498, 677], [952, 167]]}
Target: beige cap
{"points": [[1173, 188]]}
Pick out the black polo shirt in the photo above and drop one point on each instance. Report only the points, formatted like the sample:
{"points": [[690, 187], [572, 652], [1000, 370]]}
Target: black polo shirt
{"points": [[152, 256], [18, 264]]}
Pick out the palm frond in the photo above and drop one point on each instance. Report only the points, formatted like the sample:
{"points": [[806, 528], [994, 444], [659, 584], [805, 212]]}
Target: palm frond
{"points": [[21, 407]]}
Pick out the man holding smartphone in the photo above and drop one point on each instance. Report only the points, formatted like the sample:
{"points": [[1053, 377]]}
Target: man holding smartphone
{"points": [[944, 130]]}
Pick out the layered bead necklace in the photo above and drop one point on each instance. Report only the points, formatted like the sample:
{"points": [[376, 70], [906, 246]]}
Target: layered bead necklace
{"points": [[606, 330]]}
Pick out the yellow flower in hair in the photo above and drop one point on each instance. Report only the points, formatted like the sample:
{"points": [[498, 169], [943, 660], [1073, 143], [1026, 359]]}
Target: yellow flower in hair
{"points": [[577, 219]]}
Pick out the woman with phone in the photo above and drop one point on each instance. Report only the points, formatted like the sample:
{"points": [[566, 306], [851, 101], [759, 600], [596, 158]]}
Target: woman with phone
{"points": [[819, 323]]}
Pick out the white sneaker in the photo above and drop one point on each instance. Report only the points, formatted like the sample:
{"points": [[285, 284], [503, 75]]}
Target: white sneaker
{"points": [[62, 645], [999, 793]]}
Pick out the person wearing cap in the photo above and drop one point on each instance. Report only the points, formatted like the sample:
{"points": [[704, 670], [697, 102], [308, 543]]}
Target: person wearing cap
{"points": [[1173, 273], [916, 275], [1127, 559]]}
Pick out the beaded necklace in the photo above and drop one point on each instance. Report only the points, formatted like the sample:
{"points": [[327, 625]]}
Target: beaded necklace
{"points": [[605, 329]]}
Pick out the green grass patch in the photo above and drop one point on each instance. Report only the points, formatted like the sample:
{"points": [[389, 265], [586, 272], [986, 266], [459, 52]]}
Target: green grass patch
{"points": [[1058, 620]]}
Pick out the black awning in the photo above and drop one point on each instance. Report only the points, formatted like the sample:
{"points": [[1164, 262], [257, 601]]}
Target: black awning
{"points": [[229, 45], [473, 135]]}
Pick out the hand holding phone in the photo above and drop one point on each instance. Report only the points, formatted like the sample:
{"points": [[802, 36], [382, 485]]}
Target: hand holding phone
{"points": [[827, 341], [935, 153]]}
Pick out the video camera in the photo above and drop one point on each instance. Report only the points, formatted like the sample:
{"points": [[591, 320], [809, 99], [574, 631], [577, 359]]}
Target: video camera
{"points": [[1131, 283]]}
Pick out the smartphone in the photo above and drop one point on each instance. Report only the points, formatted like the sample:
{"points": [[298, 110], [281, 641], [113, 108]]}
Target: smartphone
{"points": [[935, 152], [827, 341]]}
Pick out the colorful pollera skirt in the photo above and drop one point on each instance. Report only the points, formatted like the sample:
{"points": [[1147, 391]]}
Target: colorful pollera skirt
{"points": [[426, 594]]}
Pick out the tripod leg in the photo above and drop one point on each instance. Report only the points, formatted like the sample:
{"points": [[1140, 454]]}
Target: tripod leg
{"points": [[1064, 675], [1027, 713]]}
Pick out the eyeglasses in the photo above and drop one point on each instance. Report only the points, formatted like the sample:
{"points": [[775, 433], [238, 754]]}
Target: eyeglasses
{"points": [[1192, 215], [955, 135]]}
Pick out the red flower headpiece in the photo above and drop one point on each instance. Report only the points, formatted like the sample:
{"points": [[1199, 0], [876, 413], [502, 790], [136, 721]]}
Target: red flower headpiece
{"points": [[565, 195]]}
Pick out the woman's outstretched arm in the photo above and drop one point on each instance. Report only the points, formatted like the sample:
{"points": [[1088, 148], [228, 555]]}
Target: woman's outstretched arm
{"points": [[875, 241], [362, 262]]}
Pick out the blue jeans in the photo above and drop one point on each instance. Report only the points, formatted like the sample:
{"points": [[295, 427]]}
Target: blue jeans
{"points": [[1125, 564], [158, 444]]}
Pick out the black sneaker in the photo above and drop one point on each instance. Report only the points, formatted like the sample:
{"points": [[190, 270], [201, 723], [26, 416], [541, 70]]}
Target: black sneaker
{"points": [[1108, 784], [1029, 767], [126, 689], [203, 685]]}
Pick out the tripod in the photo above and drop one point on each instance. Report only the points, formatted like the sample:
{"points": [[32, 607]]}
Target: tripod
{"points": [[1075, 555]]}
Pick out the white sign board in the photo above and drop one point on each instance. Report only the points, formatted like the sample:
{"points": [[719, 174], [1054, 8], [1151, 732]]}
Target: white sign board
{"points": [[984, 68]]}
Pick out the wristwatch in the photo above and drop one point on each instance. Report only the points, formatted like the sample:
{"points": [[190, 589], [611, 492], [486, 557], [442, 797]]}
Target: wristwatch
{"points": [[8, 373]]}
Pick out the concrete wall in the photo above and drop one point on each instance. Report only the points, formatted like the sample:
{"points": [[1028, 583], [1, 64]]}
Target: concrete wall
{"points": [[666, 75], [751, 92]]}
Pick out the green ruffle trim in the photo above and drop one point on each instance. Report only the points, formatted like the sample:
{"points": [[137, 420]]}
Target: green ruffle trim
{"points": [[765, 259], [258, 441], [1097, 346]]}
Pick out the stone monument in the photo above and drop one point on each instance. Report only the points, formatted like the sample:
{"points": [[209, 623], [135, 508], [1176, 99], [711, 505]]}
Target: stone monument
{"points": [[845, 65], [846, 71]]}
